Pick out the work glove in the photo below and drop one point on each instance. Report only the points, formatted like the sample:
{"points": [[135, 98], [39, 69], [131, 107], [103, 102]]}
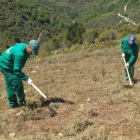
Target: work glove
{"points": [[123, 55], [127, 64], [29, 81]]}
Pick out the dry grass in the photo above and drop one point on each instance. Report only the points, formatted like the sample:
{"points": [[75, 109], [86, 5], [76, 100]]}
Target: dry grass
{"points": [[90, 100]]}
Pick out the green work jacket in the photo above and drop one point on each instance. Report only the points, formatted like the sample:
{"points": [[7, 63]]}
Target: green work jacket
{"points": [[14, 59], [130, 51]]}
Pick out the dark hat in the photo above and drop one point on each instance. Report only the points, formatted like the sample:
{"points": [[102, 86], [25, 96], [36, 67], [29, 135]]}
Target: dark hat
{"points": [[131, 39]]}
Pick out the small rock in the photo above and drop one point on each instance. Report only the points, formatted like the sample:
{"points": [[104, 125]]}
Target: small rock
{"points": [[60, 134], [12, 134], [19, 113], [88, 99], [33, 71], [81, 107]]}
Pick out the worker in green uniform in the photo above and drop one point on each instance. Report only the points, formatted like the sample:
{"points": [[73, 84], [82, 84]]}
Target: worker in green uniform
{"points": [[11, 63], [129, 48]]}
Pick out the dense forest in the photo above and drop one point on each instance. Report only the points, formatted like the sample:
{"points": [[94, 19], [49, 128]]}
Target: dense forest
{"points": [[21, 21], [62, 23]]}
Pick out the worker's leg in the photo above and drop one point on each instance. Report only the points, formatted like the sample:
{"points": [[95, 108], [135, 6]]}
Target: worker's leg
{"points": [[20, 94], [12, 98], [18, 88], [126, 75], [13, 85], [131, 72]]}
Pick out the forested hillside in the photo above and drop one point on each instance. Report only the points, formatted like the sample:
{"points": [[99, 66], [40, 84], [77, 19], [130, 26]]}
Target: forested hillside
{"points": [[63, 23], [25, 20], [94, 13]]}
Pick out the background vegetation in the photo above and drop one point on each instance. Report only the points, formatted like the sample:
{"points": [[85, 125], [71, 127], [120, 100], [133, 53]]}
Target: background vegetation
{"points": [[95, 13], [21, 21], [61, 24]]}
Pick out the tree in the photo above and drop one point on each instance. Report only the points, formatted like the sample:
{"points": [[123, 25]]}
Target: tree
{"points": [[75, 33]]}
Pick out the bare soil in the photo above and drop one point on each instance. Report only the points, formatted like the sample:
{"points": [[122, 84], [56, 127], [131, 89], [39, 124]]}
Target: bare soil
{"points": [[89, 99]]}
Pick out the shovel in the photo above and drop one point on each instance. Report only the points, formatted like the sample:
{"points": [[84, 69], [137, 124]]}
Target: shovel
{"points": [[46, 102], [127, 72]]}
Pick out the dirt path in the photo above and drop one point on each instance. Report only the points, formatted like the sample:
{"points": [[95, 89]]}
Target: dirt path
{"points": [[40, 35], [126, 18], [125, 7]]}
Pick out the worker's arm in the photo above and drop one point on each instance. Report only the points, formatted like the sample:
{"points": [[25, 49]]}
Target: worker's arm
{"points": [[19, 63], [134, 54]]}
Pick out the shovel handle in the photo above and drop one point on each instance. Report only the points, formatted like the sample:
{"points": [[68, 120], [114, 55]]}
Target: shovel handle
{"points": [[39, 91], [127, 72]]}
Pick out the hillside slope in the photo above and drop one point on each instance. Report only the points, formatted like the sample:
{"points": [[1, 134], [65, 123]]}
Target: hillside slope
{"points": [[21, 21], [93, 13], [89, 99]]}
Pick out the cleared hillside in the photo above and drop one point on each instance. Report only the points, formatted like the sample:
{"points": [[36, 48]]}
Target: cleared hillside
{"points": [[89, 99]]}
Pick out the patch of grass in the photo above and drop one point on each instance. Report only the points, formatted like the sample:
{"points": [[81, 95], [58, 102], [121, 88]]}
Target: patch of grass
{"points": [[77, 127], [103, 71], [129, 96]]}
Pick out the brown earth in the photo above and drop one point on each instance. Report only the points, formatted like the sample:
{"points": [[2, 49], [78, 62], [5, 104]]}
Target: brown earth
{"points": [[88, 99]]}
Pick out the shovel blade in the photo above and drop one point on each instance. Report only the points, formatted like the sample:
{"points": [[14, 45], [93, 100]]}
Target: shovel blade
{"points": [[46, 102]]}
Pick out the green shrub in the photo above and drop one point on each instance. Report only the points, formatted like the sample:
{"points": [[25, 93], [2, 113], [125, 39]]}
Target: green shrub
{"points": [[75, 33]]}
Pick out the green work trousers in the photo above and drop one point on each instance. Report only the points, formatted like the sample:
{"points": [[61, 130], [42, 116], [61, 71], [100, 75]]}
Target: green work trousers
{"points": [[14, 88], [130, 68]]}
